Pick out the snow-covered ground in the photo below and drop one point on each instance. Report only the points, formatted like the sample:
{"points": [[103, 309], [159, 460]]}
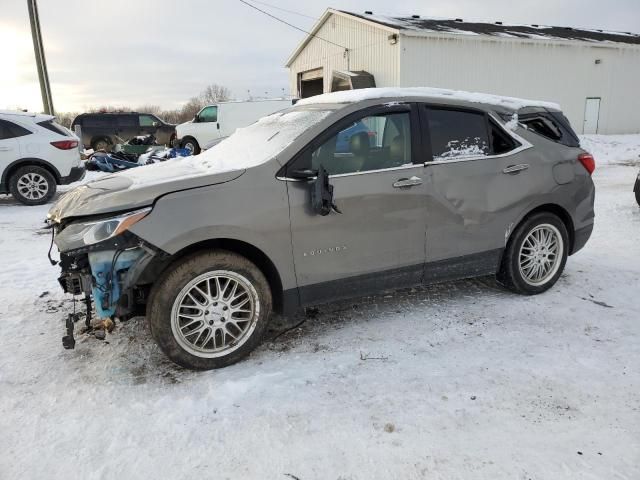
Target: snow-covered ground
{"points": [[455, 381]]}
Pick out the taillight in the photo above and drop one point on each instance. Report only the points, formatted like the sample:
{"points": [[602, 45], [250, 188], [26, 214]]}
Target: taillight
{"points": [[588, 162], [65, 144], [371, 134]]}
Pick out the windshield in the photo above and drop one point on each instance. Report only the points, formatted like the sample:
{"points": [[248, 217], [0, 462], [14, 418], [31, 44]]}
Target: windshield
{"points": [[247, 147], [262, 140]]}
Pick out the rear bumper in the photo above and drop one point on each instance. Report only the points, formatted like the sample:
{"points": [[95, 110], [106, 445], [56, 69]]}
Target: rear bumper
{"points": [[76, 173], [581, 237]]}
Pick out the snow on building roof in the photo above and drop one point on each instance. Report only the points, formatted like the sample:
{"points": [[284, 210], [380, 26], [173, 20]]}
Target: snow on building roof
{"points": [[416, 25], [352, 96]]}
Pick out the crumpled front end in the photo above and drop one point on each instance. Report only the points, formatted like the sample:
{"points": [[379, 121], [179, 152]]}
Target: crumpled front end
{"points": [[103, 261]]}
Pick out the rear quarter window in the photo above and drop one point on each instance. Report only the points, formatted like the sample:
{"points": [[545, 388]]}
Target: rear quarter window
{"points": [[551, 125], [54, 127]]}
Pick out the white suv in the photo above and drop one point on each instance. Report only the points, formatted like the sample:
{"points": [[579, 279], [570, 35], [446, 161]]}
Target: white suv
{"points": [[36, 155]]}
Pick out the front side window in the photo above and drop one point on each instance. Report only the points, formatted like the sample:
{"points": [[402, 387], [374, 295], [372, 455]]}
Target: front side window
{"points": [[11, 130], [147, 121], [457, 134], [208, 114], [371, 143]]}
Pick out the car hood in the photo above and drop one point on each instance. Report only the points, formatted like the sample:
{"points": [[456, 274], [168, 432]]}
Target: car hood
{"points": [[129, 191]]}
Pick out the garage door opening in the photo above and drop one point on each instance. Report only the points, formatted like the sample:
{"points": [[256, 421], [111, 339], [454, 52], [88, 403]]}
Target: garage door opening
{"points": [[310, 83]]}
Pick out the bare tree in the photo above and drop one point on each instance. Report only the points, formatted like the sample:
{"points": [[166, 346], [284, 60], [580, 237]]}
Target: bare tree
{"points": [[215, 93]]}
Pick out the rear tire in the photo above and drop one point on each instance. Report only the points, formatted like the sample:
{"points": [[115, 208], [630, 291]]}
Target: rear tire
{"points": [[535, 255], [191, 144], [637, 192], [32, 185], [209, 309], [100, 144]]}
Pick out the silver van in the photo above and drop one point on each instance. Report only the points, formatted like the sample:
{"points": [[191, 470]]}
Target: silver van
{"points": [[342, 195]]}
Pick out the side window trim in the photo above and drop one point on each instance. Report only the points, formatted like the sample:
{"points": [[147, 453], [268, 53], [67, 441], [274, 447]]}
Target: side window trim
{"points": [[344, 122]]}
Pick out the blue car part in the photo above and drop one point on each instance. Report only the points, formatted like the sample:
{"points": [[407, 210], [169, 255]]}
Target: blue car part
{"points": [[106, 268]]}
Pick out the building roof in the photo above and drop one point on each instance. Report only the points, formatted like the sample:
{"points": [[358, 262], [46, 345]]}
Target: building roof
{"points": [[353, 96], [416, 25]]}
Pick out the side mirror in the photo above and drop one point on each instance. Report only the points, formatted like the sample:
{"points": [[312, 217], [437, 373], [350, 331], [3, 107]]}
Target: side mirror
{"points": [[156, 124], [322, 201], [195, 119]]}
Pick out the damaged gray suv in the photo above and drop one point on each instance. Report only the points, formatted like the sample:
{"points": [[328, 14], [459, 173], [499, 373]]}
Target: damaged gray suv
{"points": [[343, 195]]}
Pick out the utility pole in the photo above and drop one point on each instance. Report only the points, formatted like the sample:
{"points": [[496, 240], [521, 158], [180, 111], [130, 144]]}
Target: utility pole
{"points": [[41, 63]]}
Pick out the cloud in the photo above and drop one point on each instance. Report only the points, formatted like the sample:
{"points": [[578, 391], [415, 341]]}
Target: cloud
{"points": [[163, 52]]}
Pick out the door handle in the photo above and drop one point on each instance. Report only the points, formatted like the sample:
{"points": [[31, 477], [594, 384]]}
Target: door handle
{"points": [[407, 182], [5, 149], [512, 169]]}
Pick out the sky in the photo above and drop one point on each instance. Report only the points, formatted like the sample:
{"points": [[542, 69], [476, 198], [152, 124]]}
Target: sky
{"points": [[162, 52]]}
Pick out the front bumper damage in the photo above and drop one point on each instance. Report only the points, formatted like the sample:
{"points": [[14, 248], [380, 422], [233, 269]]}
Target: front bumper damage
{"points": [[106, 274]]}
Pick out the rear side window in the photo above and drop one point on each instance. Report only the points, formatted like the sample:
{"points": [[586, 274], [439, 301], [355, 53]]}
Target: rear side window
{"points": [[103, 121], [128, 121], [11, 130], [457, 134], [54, 127]]}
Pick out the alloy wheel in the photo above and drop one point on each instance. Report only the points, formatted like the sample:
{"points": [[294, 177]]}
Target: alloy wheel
{"points": [[215, 314], [540, 255], [33, 186]]}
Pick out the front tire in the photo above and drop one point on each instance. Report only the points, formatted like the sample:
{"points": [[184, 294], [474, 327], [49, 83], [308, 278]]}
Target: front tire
{"points": [[535, 255], [209, 310], [191, 144], [32, 185]]}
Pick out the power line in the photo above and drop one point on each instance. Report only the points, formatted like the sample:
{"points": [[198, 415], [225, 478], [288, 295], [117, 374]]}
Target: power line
{"points": [[285, 10], [291, 25]]}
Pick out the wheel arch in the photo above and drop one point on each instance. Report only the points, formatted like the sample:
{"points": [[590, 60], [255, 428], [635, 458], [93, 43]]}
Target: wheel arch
{"points": [[247, 250], [25, 162], [95, 138], [557, 210]]}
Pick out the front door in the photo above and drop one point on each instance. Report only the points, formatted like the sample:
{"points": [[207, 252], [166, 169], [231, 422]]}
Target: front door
{"points": [[477, 186], [206, 129], [591, 115], [377, 241]]}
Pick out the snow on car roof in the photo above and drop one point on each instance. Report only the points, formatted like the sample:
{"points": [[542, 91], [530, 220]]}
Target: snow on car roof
{"points": [[352, 96], [415, 25]]}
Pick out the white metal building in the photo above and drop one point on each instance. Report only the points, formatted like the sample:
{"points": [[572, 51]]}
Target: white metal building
{"points": [[593, 74]]}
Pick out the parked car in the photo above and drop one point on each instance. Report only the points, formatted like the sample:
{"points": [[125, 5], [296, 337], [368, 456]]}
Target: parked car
{"points": [[36, 155], [222, 119], [274, 218], [101, 131]]}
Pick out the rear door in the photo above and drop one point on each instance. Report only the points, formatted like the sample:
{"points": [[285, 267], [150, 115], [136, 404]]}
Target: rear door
{"points": [[478, 183], [378, 240]]}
